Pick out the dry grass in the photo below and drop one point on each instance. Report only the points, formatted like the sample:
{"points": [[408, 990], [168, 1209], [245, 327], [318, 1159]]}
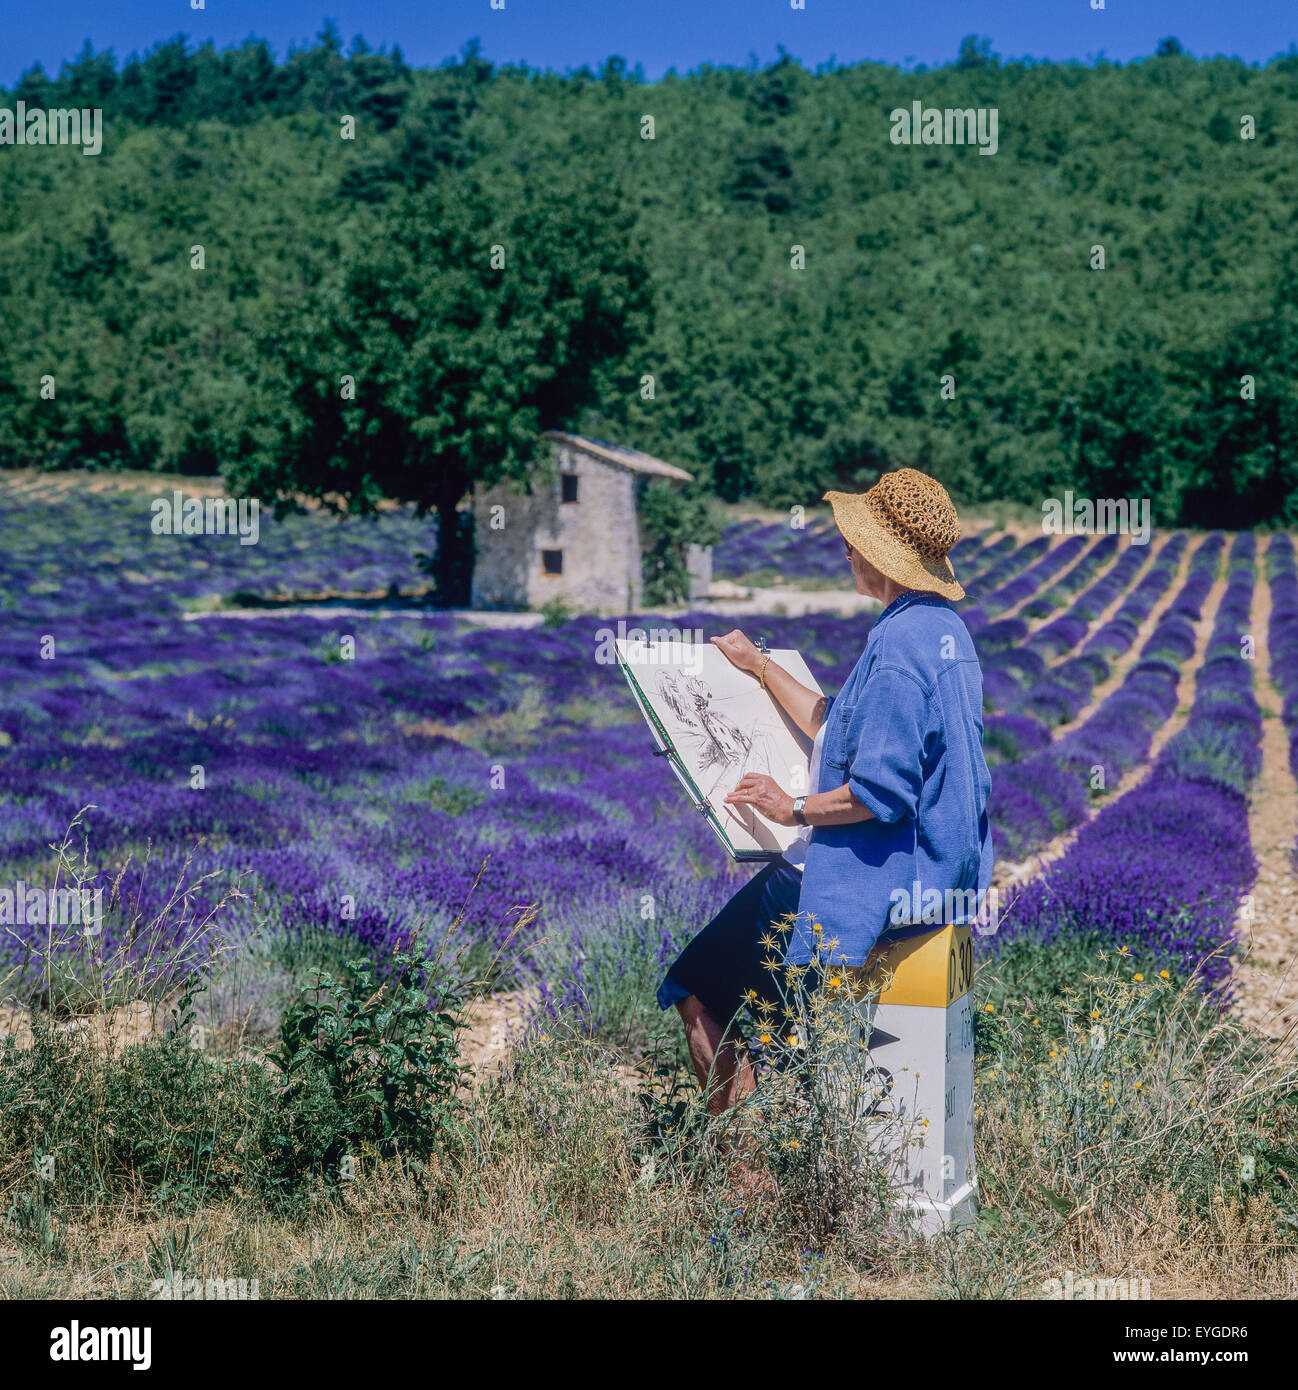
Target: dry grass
{"points": [[568, 1183]]}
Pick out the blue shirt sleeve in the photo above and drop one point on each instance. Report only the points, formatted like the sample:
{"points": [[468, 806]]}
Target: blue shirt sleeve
{"points": [[889, 732]]}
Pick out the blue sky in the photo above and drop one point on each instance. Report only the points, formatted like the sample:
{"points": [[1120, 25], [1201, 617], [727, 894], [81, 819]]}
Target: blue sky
{"points": [[660, 34]]}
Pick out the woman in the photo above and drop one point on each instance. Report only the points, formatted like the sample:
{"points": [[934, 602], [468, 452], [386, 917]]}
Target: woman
{"points": [[899, 784]]}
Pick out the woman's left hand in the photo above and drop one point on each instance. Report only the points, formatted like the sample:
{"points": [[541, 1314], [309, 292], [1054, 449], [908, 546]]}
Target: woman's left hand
{"points": [[763, 794]]}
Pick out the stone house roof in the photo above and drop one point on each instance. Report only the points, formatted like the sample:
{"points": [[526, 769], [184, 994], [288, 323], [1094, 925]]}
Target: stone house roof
{"points": [[621, 457]]}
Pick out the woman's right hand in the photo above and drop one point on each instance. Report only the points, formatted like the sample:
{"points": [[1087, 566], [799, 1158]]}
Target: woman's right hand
{"points": [[739, 650]]}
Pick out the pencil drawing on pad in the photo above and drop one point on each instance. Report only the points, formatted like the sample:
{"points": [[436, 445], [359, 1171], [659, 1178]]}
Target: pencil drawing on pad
{"points": [[718, 725]]}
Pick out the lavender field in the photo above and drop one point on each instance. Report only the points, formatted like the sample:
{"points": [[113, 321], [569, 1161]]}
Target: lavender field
{"points": [[274, 759], [357, 776]]}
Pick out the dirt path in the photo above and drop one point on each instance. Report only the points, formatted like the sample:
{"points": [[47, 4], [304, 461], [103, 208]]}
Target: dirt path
{"points": [[1008, 873], [1268, 921], [493, 1021], [496, 1022]]}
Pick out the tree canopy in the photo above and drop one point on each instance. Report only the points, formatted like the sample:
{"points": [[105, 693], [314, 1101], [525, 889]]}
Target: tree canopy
{"points": [[462, 322], [767, 291]]}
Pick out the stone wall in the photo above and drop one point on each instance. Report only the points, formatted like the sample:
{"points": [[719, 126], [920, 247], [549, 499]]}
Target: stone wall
{"points": [[598, 536]]}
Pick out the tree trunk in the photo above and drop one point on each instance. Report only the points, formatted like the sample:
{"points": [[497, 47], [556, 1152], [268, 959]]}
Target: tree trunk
{"points": [[453, 564]]}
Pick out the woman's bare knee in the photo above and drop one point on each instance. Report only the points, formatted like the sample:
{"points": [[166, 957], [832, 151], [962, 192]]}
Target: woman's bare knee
{"points": [[691, 1008]]}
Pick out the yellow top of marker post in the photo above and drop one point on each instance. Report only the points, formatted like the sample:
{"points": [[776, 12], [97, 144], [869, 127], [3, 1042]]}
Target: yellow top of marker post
{"points": [[931, 969]]}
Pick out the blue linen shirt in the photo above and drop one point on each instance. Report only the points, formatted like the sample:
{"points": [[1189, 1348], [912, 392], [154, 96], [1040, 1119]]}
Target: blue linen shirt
{"points": [[905, 733]]}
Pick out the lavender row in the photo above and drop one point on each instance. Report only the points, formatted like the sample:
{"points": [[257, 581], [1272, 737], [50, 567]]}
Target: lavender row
{"points": [[1067, 585], [777, 550], [1282, 638], [1002, 642], [1282, 634], [991, 553], [1162, 869], [1043, 794], [1007, 670], [1060, 695], [1026, 583], [999, 572]]}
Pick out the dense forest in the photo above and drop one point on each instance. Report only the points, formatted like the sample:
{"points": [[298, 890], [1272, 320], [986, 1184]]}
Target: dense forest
{"points": [[660, 298]]}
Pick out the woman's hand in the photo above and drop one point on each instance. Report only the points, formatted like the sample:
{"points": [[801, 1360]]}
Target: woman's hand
{"points": [[763, 794], [739, 649]]}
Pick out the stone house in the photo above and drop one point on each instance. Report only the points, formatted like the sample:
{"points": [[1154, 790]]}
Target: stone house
{"points": [[577, 537]]}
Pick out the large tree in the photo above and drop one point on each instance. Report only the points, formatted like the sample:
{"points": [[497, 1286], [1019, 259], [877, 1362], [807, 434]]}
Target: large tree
{"points": [[463, 321]]}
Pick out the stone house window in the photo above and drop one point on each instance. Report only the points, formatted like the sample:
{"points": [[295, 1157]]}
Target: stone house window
{"points": [[552, 563], [569, 487]]}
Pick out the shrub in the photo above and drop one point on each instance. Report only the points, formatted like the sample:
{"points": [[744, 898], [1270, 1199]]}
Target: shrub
{"points": [[363, 1069], [1128, 1085], [369, 1068], [671, 519]]}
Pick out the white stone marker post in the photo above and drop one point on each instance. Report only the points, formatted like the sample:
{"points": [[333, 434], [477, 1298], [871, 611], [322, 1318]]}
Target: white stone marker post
{"points": [[921, 1045]]}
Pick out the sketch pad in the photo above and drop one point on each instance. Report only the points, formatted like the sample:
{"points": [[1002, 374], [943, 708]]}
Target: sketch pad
{"points": [[715, 723]]}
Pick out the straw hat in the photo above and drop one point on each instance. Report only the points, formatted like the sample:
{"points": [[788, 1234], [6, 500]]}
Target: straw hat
{"points": [[904, 526]]}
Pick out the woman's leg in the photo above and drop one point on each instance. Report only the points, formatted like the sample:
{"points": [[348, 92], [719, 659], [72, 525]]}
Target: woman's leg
{"points": [[722, 969], [725, 1072], [721, 1063]]}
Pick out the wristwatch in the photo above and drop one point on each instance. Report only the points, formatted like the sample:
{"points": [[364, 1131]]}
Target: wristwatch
{"points": [[798, 803]]}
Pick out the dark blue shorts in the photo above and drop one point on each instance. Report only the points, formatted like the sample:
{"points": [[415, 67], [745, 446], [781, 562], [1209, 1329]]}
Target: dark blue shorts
{"points": [[727, 959]]}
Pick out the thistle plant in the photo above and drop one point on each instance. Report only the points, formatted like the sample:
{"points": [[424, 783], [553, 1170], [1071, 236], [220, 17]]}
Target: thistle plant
{"points": [[1138, 1087], [819, 1117]]}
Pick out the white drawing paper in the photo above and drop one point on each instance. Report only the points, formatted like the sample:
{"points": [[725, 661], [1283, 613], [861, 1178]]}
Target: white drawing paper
{"points": [[718, 724]]}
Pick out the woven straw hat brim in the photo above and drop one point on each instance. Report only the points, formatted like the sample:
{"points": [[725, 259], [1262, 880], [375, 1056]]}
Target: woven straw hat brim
{"points": [[890, 556]]}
